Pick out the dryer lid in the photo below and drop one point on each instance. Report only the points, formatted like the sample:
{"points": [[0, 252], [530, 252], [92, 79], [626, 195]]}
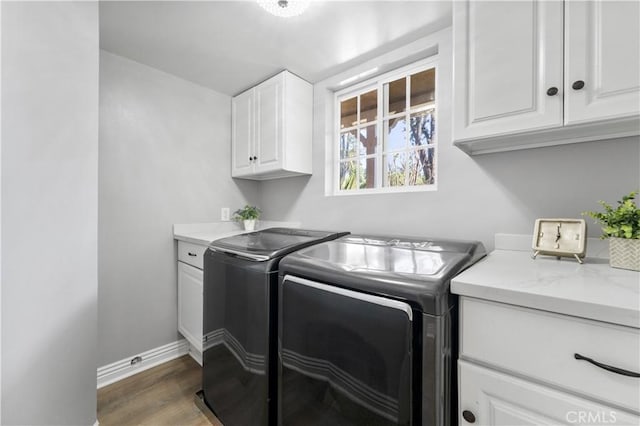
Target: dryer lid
{"points": [[416, 270], [270, 243]]}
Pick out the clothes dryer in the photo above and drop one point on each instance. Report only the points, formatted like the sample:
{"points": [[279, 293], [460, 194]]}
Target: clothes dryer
{"points": [[368, 331]]}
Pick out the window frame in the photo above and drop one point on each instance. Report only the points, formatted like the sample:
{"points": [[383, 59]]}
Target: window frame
{"points": [[377, 83]]}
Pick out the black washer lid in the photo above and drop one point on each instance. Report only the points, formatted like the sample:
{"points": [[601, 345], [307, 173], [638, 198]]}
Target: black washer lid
{"points": [[270, 243], [416, 270]]}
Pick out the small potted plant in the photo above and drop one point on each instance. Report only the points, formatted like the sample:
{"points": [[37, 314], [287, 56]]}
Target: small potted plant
{"points": [[248, 215], [621, 225]]}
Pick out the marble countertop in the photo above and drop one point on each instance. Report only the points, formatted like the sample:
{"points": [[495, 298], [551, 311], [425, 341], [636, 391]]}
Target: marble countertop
{"points": [[592, 290], [205, 233]]}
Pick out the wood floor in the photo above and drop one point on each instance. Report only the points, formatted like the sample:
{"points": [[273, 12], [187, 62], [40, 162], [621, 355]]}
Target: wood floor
{"points": [[160, 396]]}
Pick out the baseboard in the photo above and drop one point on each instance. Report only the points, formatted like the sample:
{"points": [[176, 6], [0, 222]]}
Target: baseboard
{"points": [[195, 354], [124, 368]]}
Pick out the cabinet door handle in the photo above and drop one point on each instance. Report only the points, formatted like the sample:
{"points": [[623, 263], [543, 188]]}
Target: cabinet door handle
{"points": [[468, 416], [250, 158], [607, 367], [577, 85], [255, 158], [192, 254], [552, 91]]}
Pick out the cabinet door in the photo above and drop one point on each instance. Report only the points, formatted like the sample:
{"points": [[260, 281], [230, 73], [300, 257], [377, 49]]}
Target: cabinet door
{"points": [[603, 51], [190, 304], [499, 399], [242, 111], [507, 55], [269, 124]]}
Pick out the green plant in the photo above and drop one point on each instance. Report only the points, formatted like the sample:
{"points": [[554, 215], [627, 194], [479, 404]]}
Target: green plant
{"points": [[622, 221], [247, 213]]}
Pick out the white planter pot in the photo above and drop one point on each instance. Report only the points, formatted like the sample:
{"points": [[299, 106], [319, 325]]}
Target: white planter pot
{"points": [[249, 225], [624, 253]]}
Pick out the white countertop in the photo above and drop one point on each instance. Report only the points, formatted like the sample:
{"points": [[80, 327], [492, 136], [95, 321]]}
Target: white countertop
{"points": [[592, 290], [204, 233]]}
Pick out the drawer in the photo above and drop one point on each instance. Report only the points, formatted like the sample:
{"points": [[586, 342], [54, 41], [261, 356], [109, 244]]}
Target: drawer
{"points": [[541, 345], [193, 254]]}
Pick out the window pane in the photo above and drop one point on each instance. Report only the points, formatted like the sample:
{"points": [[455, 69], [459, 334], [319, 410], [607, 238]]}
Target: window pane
{"points": [[348, 110], [422, 167], [395, 166], [349, 144], [368, 140], [367, 172], [423, 88], [369, 107], [395, 134], [396, 92], [348, 178], [423, 127], [403, 154]]}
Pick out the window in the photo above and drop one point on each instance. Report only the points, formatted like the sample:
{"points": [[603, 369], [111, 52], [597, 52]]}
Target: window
{"points": [[386, 133]]}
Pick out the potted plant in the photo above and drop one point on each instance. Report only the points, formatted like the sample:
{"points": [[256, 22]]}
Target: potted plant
{"points": [[621, 225], [248, 215]]}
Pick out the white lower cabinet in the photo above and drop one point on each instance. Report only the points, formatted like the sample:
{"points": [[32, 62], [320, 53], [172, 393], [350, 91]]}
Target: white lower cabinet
{"points": [[190, 305], [522, 366], [489, 397]]}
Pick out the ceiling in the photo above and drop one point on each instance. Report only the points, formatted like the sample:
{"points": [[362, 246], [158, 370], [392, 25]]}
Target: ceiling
{"points": [[230, 46]]}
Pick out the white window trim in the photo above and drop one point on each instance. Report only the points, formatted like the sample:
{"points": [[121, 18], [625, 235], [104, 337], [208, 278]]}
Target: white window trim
{"points": [[378, 83]]}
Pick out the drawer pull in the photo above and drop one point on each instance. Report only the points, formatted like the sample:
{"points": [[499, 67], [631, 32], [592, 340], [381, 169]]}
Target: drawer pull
{"points": [[192, 254], [607, 367]]}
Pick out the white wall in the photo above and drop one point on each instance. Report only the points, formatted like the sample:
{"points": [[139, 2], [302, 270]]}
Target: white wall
{"points": [[49, 212], [164, 159], [477, 196]]}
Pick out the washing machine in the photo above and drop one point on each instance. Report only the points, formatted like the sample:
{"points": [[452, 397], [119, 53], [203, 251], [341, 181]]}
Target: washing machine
{"points": [[367, 331], [239, 322]]}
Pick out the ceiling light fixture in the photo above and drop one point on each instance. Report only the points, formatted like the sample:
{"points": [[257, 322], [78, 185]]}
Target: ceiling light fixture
{"points": [[284, 8]]}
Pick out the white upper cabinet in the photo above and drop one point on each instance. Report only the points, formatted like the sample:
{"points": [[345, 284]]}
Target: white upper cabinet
{"points": [[269, 125], [537, 73], [603, 51], [507, 55], [271, 129], [242, 133]]}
